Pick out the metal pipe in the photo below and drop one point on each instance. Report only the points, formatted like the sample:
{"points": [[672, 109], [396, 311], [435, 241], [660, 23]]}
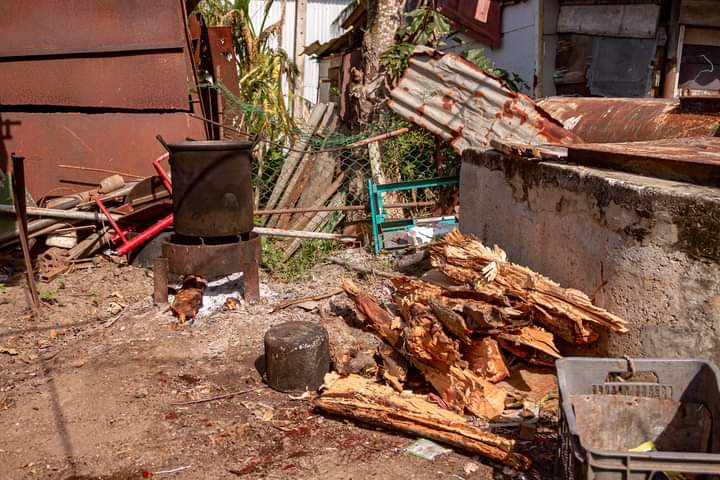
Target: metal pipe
{"points": [[119, 231], [277, 232], [146, 235], [344, 208], [161, 171], [64, 214]]}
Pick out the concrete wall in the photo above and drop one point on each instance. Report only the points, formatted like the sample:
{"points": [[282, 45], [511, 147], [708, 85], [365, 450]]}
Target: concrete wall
{"points": [[645, 249]]}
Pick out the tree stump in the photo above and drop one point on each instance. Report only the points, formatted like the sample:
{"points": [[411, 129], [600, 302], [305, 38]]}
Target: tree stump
{"points": [[296, 356]]}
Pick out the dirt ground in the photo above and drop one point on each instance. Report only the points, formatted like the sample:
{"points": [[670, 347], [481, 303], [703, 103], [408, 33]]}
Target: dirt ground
{"points": [[90, 393]]}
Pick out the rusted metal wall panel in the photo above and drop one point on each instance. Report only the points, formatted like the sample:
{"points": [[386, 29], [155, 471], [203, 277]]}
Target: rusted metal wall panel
{"points": [[62, 27], [117, 141], [149, 81], [695, 159], [458, 101], [608, 120]]}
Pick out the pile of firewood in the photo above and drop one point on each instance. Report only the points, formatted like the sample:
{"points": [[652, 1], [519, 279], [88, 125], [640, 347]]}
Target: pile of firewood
{"points": [[458, 331]]}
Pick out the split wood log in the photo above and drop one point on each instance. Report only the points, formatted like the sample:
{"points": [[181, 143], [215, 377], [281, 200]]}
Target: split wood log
{"points": [[566, 312], [485, 359], [292, 160], [394, 367], [438, 358], [362, 399], [533, 337], [188, 301], [420, 337], [277, 232], [351, 350]]}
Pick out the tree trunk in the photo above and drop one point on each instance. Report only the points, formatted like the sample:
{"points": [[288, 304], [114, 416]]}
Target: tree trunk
{"points": [[384, 20]]}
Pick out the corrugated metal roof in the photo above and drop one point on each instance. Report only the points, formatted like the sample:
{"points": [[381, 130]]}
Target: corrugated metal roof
{"points": [[603, 120], [464, 105]]}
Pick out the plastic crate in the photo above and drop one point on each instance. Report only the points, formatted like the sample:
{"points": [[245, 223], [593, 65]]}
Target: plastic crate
{"points": [[688, 381]]}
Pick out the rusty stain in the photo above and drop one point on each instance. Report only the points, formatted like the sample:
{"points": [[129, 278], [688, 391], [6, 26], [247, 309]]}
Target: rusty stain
{"points": [[442, 82], [609, 120]]}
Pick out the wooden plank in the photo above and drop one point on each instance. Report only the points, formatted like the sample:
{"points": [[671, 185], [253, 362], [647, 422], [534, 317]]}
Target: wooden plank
{"points": [[703, 13], [634, 21]]}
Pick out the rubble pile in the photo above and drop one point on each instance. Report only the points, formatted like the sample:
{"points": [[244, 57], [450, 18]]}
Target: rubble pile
{"points": [[460, 327]]}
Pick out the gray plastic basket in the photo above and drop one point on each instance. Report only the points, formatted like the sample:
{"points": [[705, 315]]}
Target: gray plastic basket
{"points": [[693, 381]]}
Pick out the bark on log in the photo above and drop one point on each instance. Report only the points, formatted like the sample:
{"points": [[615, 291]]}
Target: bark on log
{"points": [[566, 312], [351, 349], [359, 398]]}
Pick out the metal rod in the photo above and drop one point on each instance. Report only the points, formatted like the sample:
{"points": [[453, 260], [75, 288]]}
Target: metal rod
{"points": [[161, 171], [378, 138], [102, 170], [277, 232], [119, 231], [55, 213], [18, 186], [146, 235], [345, 208]]}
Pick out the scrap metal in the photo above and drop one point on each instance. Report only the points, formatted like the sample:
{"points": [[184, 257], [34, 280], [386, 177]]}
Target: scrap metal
{"points": [[694, 159], [468, 107], [609, 120]]}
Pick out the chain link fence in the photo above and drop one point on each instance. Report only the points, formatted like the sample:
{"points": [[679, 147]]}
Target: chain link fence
{"points": [[319, 181]]}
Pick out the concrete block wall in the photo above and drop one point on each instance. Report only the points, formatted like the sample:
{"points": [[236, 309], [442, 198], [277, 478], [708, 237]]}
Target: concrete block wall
{"points": [[646, 249]]}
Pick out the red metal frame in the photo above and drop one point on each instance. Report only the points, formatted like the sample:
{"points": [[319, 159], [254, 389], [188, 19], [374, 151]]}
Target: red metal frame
{"points": [[142, 237]]}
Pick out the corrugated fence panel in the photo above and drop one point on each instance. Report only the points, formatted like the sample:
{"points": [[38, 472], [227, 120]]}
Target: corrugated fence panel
{"points": [[52, 27], [320, 15]]}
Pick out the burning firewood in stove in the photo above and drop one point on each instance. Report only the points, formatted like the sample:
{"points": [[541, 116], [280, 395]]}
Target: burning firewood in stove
{"points": [[189, 299]]}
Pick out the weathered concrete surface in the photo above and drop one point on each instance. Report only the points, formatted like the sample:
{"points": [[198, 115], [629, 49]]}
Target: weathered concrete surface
{"points": [[643, 248]]}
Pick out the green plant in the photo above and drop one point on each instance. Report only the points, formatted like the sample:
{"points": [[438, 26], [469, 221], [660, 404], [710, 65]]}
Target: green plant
{"points": [[48, 295], [424, 26], [264, 69], [61, 283], [477, 57], [2, 288], [299, 265]]}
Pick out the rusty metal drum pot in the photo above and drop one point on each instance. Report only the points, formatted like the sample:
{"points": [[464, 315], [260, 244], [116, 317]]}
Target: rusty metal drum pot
{"points": [[212, 190]]}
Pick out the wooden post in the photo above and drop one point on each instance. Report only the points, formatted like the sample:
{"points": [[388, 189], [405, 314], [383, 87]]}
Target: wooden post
{"points": [[300, 24], [160, 280], [18, 188]]}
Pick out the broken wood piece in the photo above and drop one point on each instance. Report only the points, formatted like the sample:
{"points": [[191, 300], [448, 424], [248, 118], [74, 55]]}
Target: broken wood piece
{"points": [[382, 322], [295, 301], [188, 300], [452, 321], [362, 269], [63, 214], [362, 399], [351, 349], [212, 399], [533, 337], [569, 313], [394, 367], [485, 359]]}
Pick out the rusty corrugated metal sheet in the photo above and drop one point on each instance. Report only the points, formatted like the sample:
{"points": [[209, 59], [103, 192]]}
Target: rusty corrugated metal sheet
{"points": [[117, 141], [693, 159], [608, 120], [94, 53], [150, 81], [459, 102], [90, 83], [63, 27]]}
